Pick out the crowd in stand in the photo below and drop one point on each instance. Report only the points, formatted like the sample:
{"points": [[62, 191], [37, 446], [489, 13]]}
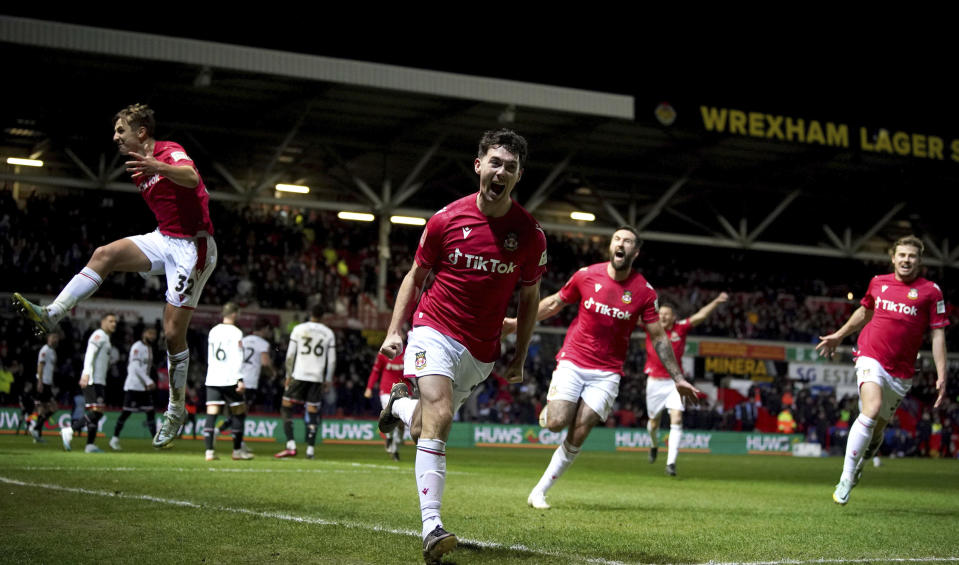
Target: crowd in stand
{"points": [[285, 258]]}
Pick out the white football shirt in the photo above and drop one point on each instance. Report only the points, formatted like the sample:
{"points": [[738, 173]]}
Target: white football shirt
{"points": [[313, 346], [138, 367], [254, 347], [97, 359], [224, 355], [47, 356]]}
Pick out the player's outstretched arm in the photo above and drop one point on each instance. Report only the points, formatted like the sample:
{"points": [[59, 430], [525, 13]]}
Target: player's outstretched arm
{"points": [[547, 308], [705, 311], [525, 321], [664, 350], [405, 300], [828, 344], [939, 357]]}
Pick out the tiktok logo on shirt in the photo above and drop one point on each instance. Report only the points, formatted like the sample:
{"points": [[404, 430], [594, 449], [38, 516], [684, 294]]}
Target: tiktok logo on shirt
{"points": [[481, 263], [897, 307], [606, 310]]}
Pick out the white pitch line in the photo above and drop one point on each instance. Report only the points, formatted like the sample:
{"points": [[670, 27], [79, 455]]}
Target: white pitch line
{"points": [[465, 541], [299, 519], [351, 466]]}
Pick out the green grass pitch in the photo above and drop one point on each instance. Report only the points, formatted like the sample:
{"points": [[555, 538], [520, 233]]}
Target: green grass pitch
{"points": [[353, 505]]}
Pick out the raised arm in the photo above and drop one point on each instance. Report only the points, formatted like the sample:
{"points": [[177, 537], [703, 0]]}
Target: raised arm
{"points": [[705, 311], [828, 344]]}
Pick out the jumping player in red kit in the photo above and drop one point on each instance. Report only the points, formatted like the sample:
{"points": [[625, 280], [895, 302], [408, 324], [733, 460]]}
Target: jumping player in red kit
{"points": [[893, 317], [182, 248], [661, 393], [612, 298], [478, 248], [388, 372]]}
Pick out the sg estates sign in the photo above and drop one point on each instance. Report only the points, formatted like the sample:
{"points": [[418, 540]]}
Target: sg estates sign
{"points": [[840, 377]]}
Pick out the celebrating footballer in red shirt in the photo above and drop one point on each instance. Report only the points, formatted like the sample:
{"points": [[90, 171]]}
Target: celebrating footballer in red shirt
{"points": [[893, 316]]}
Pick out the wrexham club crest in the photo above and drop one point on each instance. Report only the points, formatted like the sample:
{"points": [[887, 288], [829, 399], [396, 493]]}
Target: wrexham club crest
{"points": [[420, 360], [511, 243], [627, 297], [913, 294]]}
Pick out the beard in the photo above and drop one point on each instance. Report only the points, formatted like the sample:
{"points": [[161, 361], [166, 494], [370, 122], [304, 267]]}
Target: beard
{"points": [[623, 263]]}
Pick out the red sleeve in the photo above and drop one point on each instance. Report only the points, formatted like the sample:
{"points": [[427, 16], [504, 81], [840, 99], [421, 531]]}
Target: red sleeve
{"points": [[869, 300], [535, 264], [682, 327], [431, 242], [176, 155], [570, 292], [377, 370], [938, 313], [650, 310]]}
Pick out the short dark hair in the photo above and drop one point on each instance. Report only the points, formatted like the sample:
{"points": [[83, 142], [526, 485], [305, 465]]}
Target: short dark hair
{"points": [[107, 315], [626, 227], [317, 310], [508, 140], [261, 324], [137, 116], [909, 240], [230, 309]]}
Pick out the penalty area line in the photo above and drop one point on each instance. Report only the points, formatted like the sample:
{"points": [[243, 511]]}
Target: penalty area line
{"points": [[466, 542]]}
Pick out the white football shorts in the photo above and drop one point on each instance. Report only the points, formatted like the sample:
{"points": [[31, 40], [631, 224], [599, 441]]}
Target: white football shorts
{"points": [[428, 352], [598, 389], [660, 394], [187, 263], [868, 370]]}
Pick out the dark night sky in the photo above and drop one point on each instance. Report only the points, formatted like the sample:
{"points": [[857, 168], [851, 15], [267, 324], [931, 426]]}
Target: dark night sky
{"points": [[834, 81]]}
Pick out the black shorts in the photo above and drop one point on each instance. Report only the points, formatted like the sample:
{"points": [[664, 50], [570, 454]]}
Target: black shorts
{"points": [[46, 395], [94, 395], [223, 395], [300, 392], [136, 400]]}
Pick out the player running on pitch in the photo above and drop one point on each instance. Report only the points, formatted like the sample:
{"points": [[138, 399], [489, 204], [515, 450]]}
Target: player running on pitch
{"points": [[480, 249], [661, 392], [612, 298], [893, 317]]}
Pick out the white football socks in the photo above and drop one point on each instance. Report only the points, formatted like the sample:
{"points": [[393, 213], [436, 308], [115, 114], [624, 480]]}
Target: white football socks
{"points": [[860, 434], [178, 364], [562, 458], [403, 409], [80, 287], [675, 436], [430, 471]]}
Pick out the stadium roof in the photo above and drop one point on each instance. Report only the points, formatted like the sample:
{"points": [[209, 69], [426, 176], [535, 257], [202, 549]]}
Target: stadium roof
{"points": [[708, 168]]}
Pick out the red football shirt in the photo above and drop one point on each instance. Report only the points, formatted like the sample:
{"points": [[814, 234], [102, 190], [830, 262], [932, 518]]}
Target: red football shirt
{"points": [[180, 211], [608, 311], [477, 262], [901, 314], [388, 372], [677, 338]]}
